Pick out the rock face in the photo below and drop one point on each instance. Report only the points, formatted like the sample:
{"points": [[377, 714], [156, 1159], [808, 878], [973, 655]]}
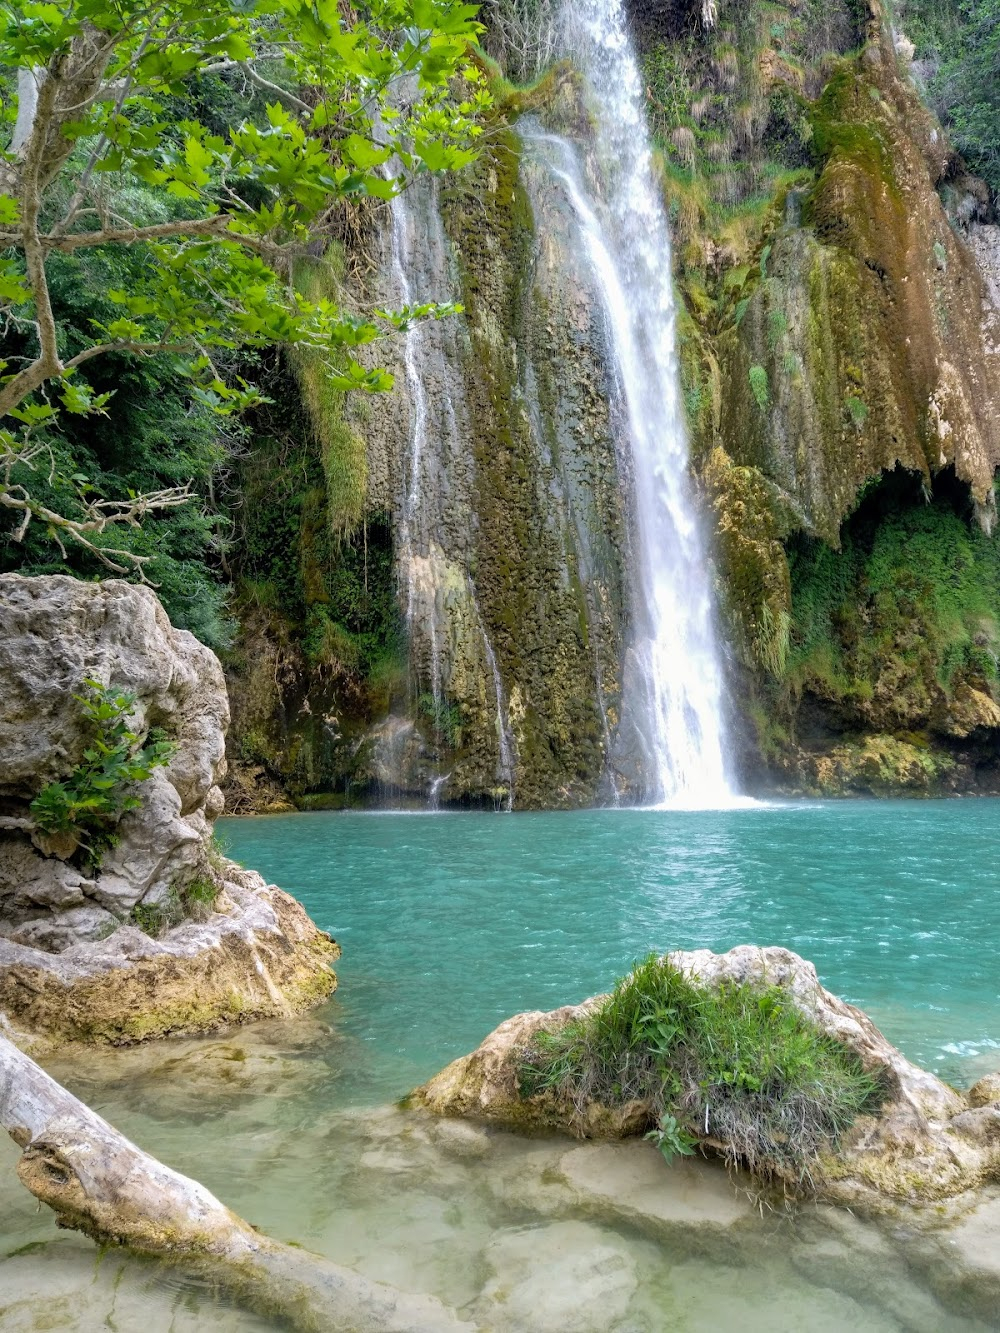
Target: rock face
{"points": [[55, 633], [72, 963], [928, 1142], [257, 955], [496, 458]]}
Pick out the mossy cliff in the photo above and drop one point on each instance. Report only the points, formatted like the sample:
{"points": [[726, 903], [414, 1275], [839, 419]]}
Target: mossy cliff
{"points": [[434, 584], [320, 651], [550, 519], [499, 531], [843, 393]]}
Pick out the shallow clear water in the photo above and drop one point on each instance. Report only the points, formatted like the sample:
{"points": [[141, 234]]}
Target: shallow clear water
{"points": [[450, 923]]}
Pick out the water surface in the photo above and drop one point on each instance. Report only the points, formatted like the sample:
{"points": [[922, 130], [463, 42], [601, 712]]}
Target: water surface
{"points": [[450, 923]]}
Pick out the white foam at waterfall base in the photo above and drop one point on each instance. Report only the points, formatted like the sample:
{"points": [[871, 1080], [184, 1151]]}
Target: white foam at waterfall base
{"points": [[623, 224]]}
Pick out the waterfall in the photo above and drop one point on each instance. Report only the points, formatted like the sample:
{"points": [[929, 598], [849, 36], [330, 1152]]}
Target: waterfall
{"points": [[435, 531], [623, 224], [414, 527]]}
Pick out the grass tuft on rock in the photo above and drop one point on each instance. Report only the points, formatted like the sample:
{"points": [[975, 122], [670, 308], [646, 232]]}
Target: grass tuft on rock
{"points": [[739, 1065]]}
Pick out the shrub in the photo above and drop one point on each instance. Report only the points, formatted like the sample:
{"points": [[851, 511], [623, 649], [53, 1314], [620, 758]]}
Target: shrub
{"points": [[194, 902], [739, 1064], [90, 802], [760, 387]]}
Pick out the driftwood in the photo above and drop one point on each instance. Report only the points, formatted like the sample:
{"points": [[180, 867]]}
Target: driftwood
{"points": [[99, 1183]]}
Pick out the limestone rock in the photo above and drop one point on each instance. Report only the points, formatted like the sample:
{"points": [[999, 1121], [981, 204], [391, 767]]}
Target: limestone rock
{"points": [[550, 1278], [57, 632], [986, 1092], [257, 956], [926, 1143], [73, 967], [962, 1261]]}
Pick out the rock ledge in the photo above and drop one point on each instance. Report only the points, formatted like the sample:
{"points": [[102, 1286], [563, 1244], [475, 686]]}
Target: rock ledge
{"points": [[257, 956]]}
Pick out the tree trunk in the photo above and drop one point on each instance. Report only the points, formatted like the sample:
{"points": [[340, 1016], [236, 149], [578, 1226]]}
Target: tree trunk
{"points": [[99, 1183]]}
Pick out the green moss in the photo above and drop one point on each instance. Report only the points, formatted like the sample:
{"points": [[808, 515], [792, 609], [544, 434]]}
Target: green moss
{"points": [[538, 625], [913, 597], [756, 591], [322, 639], [342, 448], [760, 387]]}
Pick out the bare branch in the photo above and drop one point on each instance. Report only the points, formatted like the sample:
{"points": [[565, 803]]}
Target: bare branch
{"points": [[99, 516]]}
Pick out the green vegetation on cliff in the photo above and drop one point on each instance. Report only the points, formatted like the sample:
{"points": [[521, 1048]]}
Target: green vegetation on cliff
{"points": [[321, 651], [906, 612], [958, 47], [83, 809]]}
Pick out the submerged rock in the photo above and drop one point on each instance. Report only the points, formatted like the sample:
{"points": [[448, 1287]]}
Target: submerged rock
{"points": [[564, 1275], [927, 1142], [73, 963]]}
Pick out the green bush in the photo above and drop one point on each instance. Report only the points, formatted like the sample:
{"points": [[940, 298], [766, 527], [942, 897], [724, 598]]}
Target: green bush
{"points": [[760, 387], [150, 436], [914, 592], [960, 41], [739, 1064], [90, 802]]}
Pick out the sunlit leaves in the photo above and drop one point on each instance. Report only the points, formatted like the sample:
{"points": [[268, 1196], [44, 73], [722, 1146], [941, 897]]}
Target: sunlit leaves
{"points": [[13, 284], [335, 111]]}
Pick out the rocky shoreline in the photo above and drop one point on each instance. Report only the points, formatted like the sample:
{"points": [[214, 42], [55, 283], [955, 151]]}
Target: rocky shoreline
{"points": [[154, 933], [257, 956]]}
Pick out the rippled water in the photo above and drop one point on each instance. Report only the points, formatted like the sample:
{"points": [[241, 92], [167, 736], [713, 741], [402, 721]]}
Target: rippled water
{"points": [[450, 923]]}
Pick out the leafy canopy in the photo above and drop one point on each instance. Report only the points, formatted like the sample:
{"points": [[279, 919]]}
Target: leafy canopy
{"points": [[343, 103]]}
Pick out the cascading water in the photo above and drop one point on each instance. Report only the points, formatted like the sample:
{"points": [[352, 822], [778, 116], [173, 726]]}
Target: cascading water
{"points": [[435, 525], [414, 536], [624, 227]]}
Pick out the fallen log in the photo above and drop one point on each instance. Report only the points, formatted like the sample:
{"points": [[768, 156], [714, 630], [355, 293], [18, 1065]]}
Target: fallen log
{"points": [[98, 1182]]}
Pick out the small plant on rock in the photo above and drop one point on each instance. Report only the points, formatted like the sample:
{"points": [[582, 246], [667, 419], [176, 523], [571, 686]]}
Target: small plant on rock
{"points": [[760, 387], [739, 1064], [672, 1139], [84, 809]]}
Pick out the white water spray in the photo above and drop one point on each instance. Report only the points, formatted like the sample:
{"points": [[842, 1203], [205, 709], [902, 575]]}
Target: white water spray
{"points": [[412, 538], [624, 227]]}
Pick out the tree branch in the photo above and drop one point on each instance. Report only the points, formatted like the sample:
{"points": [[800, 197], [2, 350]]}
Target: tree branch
{"points": [[47, 363], [101, 514], [136, 348], [218, 224]]}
